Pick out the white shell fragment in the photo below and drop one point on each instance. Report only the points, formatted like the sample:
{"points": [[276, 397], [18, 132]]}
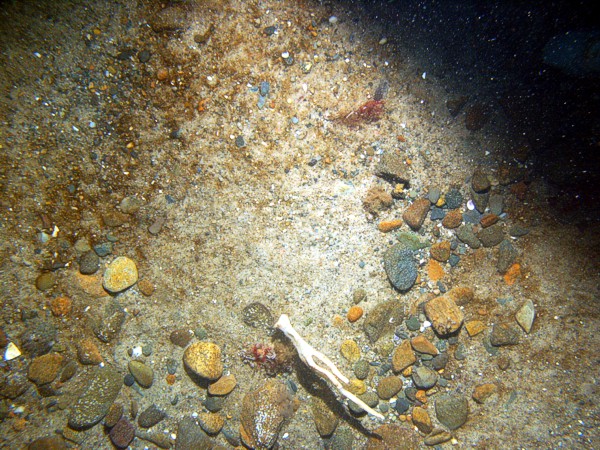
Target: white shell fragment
{"points": [[525, 316], [12, 352]]}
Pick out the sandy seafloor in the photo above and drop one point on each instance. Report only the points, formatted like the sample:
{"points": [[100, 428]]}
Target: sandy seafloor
{"points": [[279, 220]]}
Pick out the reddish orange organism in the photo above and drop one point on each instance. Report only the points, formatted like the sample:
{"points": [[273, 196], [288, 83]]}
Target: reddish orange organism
{"points": [[369, 112]]}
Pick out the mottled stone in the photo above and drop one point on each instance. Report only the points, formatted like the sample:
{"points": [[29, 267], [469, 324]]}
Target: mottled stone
{"points": [[480, 181], [422, 345], [491, 236], [181, 337], [223, 385], [384, 317], [403, 357], [326, 420], [191, 437], [393, 169], [445, 316], [204, 359], [88, 353], [421, 420], [48, 443], [526, 315], [211, 423], [452, 410], [89, 263], [440, 251], [483, 391], [122, 433], [44, 369], [507, 254], [120, 274], [350, 350], [424, 378], [437, 436], [376, 200], [393, 436], [151, 416], [415, 214], [504, 334], [264, 412], [107, 324], [400, 267], [388, 387], [474, 327], [60, 306], [465, 235], [452, 219], [143, 374]]}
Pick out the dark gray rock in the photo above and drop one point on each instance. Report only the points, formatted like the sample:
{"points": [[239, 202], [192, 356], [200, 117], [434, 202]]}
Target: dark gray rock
{"points": [[507, 254], [480, 181], [465, 235], [452, 410], [453, 199], [151, 416], [491, 236], [496, 204], [400, 267], [38, 338], [480, 200], [437, 213], [89, 263], [504, 334]]}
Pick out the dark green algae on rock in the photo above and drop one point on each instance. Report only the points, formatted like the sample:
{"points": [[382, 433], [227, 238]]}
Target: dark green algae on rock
{"points": [[93, 404]]}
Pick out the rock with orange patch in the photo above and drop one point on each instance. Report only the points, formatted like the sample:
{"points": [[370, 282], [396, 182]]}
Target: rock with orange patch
{"points": [[403, 357], [389, 225], [435, 271], [512, 274], [440, 251], [60, 306], [421, 419], [355, 313], [223, 385], [422, 345], [445, 316], [474, 327], [484, 391], [91, 284]]}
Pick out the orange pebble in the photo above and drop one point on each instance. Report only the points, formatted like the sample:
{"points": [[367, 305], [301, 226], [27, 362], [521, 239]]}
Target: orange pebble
{"points": [[389, 225], [512, 274], [435, 271], [355, 313], [421, 396], [171, 379], [60, 306]]}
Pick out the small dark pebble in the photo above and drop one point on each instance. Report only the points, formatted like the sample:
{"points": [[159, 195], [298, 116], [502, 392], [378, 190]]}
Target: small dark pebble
{"points": [[269, 30], [453, 199], [240, 142], [89, 263], [453, 260], [128, 380], [214, 404], [313, 162], [144, 56], [171, 366], [103, 249], [439, 361], [68, 371], [402, 405], [437, 213], [122, 433], [472, 217], [411, 393], [459, 353], [413, 323], [151, 416]]}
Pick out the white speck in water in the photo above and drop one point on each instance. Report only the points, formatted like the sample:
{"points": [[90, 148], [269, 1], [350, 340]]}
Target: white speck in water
{"points": [[470, 205], [424, 75], [136, 352]]}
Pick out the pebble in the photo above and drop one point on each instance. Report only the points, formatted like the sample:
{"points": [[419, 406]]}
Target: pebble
{"points": [[68, 371], [156, 226], [480, 182], [453, 260], [350, 350], [169, 19], [181, 338], [421, 420], [526, 315], [452, 410], [460, 352], [103, 249], [223, 386], [45, 281], [453, 199], [439, 361], [190, 436], [44, 369], [122, 433], [388, 387], [437, 436], [517, 230], [151, 416], [400, 267], [107, 325], [88, 353], [89, 263], [120, 274], [480, 201], [411, 241], [445, 316], [415, 214], [240, 142], [504, 334], [413, 323], [496, 204], [392, 168], [491, 236], [343, 439], [384, 317], [507, 254], [361, 369], [422, 345], [393, 436], [369, 398], [453, 219], [128, 380], [354, 313], [437, 213], [465, 235], [440, 251], [60, 306], [130, 205], [487, 220], [434, 195], [376, 200], [95, 401], [424, 377], [204, 359], [386, 226], [403, 357], [257, 315], [402, 405], [483, 391], [359, 295], [211, 423], [263, 413], [143, 374], [146, 287], [115, 412], [48, 443], [325, 418], [474, 327]]}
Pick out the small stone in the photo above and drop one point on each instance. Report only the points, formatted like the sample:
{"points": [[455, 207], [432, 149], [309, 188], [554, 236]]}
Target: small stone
{"points": [[121, 274], [257, 315], [452, 410], [103, 249], [465, 234], [48, 443], [130, 205], [496, 204], [437, 436], [359, 295], [88, 353], [439, 361], [214, 404], [413, 323], [181, 338], [421, 420], [107, 324], [453, 219], [190, 436], [204, 359], [114, 219], [143, 374], [422, 345], [400, 267], [424, 378], [157, 226], [350, 350], [376, 200], [480, 201], [460, 352], [437, 213], [146, 287], [435, 271], [60, 306], [440, 251], [388, 387], [151, 416], [44, 369], [386, 226], [507, 254], [487, 220], [393, 436], [526, 315], [393, 169], [45, 281], [402, 405], [115, 412], [326, 420], [445, 316], [415, 215], [211, 423], [68, 371], [361, 369], [474, 327], [518, 230], [223, 385], [403, 357], [480, 181], [453, 199], [483, 391], [434, 195], [89, 263], [354, 313], [504, 334], [491, 236], [384, 317], [122, 433]]}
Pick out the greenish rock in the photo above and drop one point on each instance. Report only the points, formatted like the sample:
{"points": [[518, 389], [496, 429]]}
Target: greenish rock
{"points": [[257, 315], [411, 241], [491, 236], [143, 374], [453, 199], [361, 369], [107, 324], [465, 235], [401, 267], [45, 281], [190, 436], [359, 295], [424, 377], [507, 254], [343, 439], [89, 263], [383, 318], [326, 420], [413, 323], [504, 334], [518, 230], [452, 410], [100, 393], [370, 398]]}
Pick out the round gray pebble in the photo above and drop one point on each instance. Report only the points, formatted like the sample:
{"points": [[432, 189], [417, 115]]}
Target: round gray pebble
{"points": [[452, 410], [424, 377]]}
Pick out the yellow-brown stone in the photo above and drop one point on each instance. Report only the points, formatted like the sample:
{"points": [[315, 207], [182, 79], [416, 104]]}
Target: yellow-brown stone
{"points": [[223, 385], [482, 392], [474, 327], [446, 318], [204, 359], [422, 345], [403, 357]]}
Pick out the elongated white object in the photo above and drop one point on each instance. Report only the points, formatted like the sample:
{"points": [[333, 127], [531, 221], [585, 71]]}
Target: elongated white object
{"points": [[308, 354]]}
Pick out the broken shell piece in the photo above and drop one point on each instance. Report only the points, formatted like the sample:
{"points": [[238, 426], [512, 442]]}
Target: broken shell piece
{"points": [[12, 352]]}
